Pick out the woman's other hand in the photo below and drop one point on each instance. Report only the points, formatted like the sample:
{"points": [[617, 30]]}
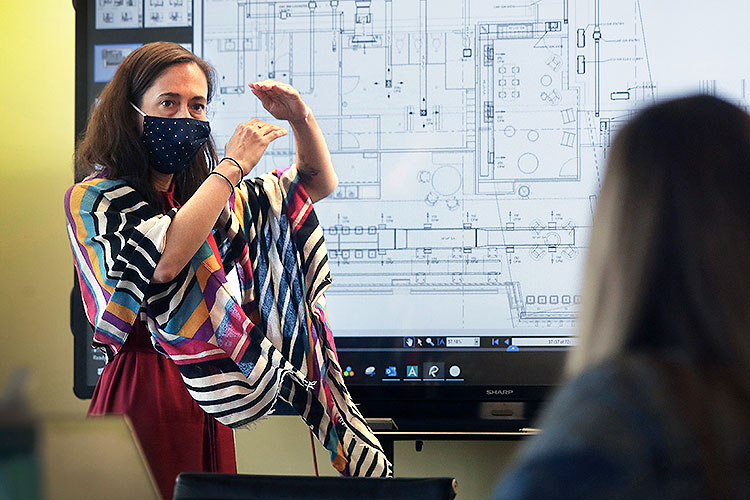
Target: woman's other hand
{"points": [[281, 100], [250, 141]]}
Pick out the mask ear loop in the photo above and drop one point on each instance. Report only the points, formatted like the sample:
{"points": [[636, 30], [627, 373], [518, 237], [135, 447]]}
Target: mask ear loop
{"points": [[136, 108]]}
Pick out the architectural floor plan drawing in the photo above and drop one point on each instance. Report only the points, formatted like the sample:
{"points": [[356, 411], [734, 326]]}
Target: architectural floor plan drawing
{"points": [[118, 14], [469, 137]]}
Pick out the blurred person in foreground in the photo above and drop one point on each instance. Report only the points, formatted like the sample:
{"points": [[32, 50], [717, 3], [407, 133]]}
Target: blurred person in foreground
{"points": [[657, 401]]}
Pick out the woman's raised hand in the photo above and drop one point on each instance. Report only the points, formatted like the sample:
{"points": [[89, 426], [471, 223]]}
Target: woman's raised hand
{"points": [[281, 100], [250, 141]]}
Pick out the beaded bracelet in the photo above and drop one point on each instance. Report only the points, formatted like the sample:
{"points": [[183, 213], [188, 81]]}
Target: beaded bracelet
{"points": [[231, 186], [242, 172]]}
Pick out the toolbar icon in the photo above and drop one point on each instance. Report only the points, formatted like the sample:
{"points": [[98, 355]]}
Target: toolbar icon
{"points": [[434, 370], [412, 371]]}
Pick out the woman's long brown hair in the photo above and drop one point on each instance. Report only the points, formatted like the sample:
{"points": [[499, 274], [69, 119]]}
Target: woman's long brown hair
{"points": [[669, 258], [111, 141], [668, 269]]}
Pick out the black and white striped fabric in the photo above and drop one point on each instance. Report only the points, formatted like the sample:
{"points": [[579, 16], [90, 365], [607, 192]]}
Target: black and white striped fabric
{"points": [[236, 354]]}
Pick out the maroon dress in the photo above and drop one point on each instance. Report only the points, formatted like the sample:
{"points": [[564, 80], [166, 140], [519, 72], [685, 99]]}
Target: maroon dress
{"points": [[175, 434]]}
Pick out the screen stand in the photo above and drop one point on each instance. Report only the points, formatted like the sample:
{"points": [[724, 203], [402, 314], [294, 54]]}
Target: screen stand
{"points": [[387, 438], [380, 425]]}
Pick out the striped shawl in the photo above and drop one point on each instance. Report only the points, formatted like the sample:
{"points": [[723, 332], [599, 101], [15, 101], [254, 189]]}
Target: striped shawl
{"points": [[236, 354]]}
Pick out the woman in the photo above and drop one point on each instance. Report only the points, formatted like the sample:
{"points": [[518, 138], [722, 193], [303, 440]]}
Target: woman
{"points": [[659, 401], [155, 228]]}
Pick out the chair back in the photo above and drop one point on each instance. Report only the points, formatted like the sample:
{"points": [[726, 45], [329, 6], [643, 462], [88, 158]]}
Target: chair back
{"points": [[209, 486]]}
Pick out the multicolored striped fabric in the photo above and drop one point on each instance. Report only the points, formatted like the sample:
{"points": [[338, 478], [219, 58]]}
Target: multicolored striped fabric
{"points": [[236, 354]]}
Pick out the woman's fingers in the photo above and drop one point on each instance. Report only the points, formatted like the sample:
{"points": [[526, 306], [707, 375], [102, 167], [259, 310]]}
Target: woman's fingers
{"points": [[250, 141], [261, 94], [280, 99], [265, 84], [275, 134], [268, 128], [262, 90], [272, 88], [264, 128], [252, 124]]}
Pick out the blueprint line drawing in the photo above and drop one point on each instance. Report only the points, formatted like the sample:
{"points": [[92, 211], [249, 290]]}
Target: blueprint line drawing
{"points": [[168, 13], [135, 14], [469, 137], [118, 14]]}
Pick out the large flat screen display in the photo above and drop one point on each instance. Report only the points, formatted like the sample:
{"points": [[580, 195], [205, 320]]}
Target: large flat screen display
{"points": [[470, 138]]}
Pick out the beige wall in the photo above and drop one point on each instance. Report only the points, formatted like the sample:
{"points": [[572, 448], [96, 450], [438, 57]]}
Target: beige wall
{"points": [[36, 141]]}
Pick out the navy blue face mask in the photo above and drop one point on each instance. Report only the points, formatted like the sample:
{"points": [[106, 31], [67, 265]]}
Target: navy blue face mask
{"points": [[172, 143]]}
